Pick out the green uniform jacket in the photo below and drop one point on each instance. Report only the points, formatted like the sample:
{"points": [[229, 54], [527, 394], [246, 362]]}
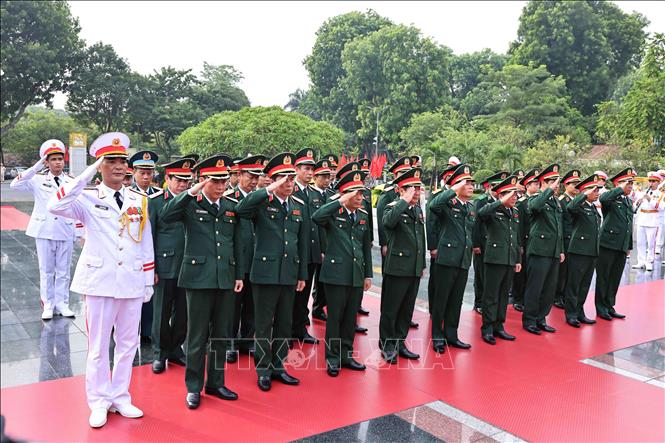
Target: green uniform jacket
{"points": [[389, 195], [313, 242], [585, 234], [246, 237], [525, 218], [280, 248], [457, 220], [546, 231], [503, 234], [212, 241], [567, 220], [367, 206], [168, 238], [616, 233], [348, 259], [479, 234], [406, 239], [316, 201], [432, 225]]}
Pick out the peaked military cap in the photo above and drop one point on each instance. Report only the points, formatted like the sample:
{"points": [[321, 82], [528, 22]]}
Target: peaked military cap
{"points": [[111, 144], [53, 146], [446, 173], [193, 156], [453, 161], [593, 181], [571, 176], [143, 160], [332, 159], [506, 185], [529, 177], [282, 164], [416, 161], [181, 168], [348, 167], [549, 173], [322, 167], [495, 178], [353, 181], [519, 173], [627, 174], [129, 172], [234, 167], [410, 178], [402, 164], [216, 166], [654, 176], [252, 164], [305, 157], [364, 164], [462, 172]]}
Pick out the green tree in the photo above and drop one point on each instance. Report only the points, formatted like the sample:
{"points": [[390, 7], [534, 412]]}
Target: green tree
{"points": [[40, 47], [104, 85], [304, 102], [218, 90], [562, 150], [265, 130], [39, 124], [589, 43], [467, 70], [396, 72]]}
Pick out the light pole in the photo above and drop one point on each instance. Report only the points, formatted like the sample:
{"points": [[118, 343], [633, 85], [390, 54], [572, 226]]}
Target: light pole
{"points": [[378, 117]]}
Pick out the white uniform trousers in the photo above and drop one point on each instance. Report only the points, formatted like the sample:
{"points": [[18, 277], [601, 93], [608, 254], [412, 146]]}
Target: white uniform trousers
{"points": [[55, 258], [661, 234], [104, 315], [646, 244]]}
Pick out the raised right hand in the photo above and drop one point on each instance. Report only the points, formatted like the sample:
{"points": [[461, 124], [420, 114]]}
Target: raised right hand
{"points": [[276, 184], [555, 184], [197, 188], [408, 194]]}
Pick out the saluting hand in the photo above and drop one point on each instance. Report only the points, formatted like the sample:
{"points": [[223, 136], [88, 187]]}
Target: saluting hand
{"points": [[507, 197], [347, 196], [197, 188], [555, 184], [276, 184], [407, 196], [458, 186]]}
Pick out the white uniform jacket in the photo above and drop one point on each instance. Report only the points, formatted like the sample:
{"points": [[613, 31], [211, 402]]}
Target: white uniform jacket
{"points": [[648, 211], [117, 258], [42, 223]]}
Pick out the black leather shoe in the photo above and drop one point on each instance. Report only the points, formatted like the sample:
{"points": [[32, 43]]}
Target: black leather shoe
{"points": [[390, 357], [587, 321], [607, 317], [503, 335], [231, 356], [224, 393], [193, 400], [285, 378], [413, 325], [354, 365], [518, 307], [320, 316], [459, 344], [404, 352], [532, 329], [363, 311], [309, 339], [559, 304], [264, 383], [615, 314], [360, 330], [478, 309], [439, 347], [488, 338], [574, 323], [545, 327], [333, 371], [158, 366], [180, 361]]}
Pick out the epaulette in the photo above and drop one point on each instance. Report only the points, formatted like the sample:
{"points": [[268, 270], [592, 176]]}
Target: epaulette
{"points": [[90, 188], [156, 194], [138, 192], [334, 197], [521, 199], [229, 192], [393, 203], [231, 198], [311, 187], [69, 175], [389, 188], [362, 210], [298, 200], [437, 191]]}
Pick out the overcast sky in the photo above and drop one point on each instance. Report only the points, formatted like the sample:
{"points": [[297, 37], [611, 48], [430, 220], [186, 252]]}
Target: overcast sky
{"points": [[267, 41]]}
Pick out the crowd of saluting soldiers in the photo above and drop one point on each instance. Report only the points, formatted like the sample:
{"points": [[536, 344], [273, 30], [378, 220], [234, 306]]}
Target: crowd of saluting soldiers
{"points": [[223, 258]]}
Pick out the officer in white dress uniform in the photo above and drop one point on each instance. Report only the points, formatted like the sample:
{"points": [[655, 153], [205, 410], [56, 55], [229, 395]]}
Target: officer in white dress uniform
{"points": [[54, 236], [115, 272], [661, 225], [648, 207]]}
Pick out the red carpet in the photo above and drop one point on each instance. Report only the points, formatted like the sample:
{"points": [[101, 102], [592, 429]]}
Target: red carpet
{"points": [[12, 219], [535, 388]]}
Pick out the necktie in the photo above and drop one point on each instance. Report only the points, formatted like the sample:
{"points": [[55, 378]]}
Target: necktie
{"points": [[285, 205], [57, 181], [118, 199], [352, 217], [216, 206]]}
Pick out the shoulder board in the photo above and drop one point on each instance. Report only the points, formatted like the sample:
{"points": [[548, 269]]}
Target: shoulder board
{"points": [[437, 191], [90, 188], [42, 172], [69, 175], [362, 210], [231, 199], [311, 188], [393, 203], [298, 200], [137, 192], [521, 199], [156, 194], [388, 188], [229, 192], [334, 197]]}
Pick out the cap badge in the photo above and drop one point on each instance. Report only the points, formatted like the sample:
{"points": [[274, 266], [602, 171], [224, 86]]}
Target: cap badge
{"points": [[467, 170], [310, 153], [354, 167], [416, 174], [115, 142], [220, 163], [186, 165], [407, 161], [324, 164], [555, 168], [356, 178], [146, 156], [287, 160]]}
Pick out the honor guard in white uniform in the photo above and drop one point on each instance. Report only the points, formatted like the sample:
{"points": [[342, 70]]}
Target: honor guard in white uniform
{"points": [[661, 204], [54, 236], [648, 206], [115, 272]]}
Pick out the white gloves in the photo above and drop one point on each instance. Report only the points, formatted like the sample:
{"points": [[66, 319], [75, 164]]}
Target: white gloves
{"points": [[147, 294], [91, 170]]}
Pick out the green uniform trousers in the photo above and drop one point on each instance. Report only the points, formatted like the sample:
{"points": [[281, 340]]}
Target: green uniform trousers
{"points": [[450, 284], [498, 279], [519, 282], [343, 303], [541, 281], [580, 273], [300, 305], [398, 298], [273, 310], [210, 315], [243, 318], [478, 279], [169, 323], [609, 270], [431, 285], [318, 292]]}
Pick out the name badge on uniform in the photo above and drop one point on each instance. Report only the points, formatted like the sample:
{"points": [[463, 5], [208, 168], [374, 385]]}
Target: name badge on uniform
{"points": [[201, 211], [340, 219], [105, 208], [271, 209], [47, 185], [456, 209]]}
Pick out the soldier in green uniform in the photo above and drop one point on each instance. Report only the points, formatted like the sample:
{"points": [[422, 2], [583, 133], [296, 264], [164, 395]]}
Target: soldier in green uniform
{"points": [[233, 173], [502, 257], [367, 206], [169, 325], [248, 171], [616, 239], [322, 192], [570, 180], [209, 274], [333, 161], [582, 250], [279, 267], [479, 238], [346, 269], [404, 264], [530, 185], [304, 172], [544, 252], [457, 215]]}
